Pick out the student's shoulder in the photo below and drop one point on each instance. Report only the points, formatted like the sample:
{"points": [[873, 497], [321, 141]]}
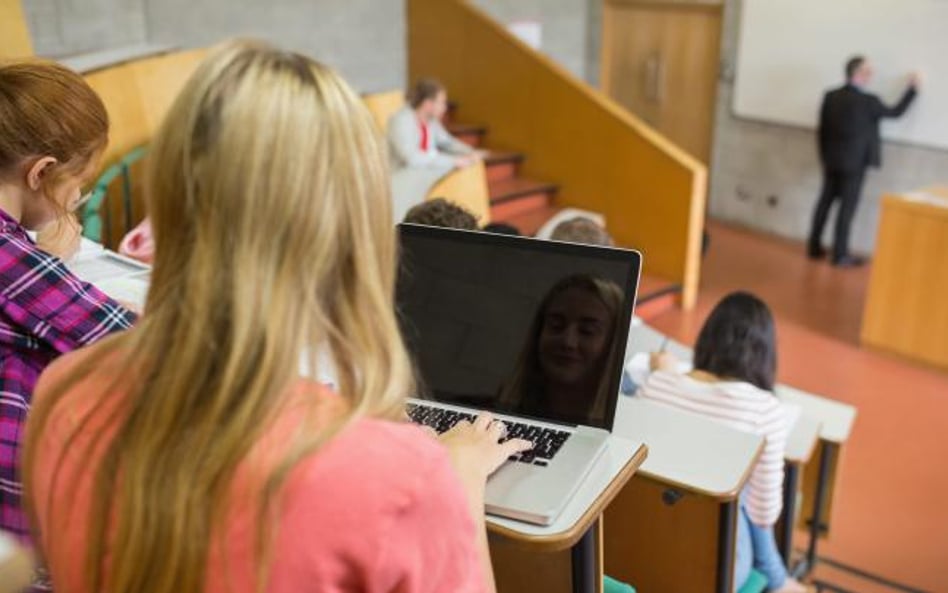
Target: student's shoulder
{"points": [[401, 116], [16, 248], [102, 352], [390, 456]]}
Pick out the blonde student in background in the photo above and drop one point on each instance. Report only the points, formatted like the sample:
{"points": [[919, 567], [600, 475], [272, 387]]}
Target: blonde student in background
{"points": [[189, 455]]}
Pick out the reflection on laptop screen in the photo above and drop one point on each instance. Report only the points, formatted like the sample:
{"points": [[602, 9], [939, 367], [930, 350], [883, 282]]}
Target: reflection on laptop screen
{"points": [[516, 325]]}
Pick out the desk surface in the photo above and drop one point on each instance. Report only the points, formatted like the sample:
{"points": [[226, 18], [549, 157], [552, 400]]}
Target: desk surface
{"points": [[836, 419], [802, 439], [687, 450], [121, 278], [612, 470], [644, 338]]}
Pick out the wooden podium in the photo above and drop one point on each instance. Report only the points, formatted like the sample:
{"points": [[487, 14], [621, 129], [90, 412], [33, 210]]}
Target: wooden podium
{"points": [[907, 307]]}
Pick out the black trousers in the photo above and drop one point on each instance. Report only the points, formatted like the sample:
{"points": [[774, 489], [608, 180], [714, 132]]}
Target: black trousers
{"points": [[844, 187]]}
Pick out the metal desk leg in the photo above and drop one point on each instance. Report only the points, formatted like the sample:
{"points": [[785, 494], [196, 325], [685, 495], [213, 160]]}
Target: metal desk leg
{"points": [[584, 563], [816, 521], [727, 531], [791, 485]]}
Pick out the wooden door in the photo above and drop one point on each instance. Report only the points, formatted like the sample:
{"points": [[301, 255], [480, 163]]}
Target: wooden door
{"points": [[660, 59]]}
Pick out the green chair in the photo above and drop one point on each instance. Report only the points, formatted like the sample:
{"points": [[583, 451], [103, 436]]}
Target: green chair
{"points": [[610, 585], [94, 225], [756, 583]]}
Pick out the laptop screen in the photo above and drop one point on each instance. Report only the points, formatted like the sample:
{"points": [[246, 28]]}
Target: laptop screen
{"points": [[516, 325]]}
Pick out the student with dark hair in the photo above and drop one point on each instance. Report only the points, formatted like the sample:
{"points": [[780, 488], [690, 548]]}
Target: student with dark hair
{"points": [[732, 383], [442, 213], [417, 138]]}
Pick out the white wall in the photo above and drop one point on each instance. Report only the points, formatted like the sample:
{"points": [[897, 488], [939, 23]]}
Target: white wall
{"points": [[364, 39], [754, 162]]}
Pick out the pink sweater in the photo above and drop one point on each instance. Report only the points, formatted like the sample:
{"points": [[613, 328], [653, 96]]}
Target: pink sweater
{"points": [[377, 509]]}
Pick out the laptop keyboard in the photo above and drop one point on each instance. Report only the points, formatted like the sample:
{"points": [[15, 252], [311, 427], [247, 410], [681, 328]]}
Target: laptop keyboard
{"points": [[546, 441]]}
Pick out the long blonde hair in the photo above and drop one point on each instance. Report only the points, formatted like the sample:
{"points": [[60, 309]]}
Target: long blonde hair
{"points": [[268, 194], [525, 391]]}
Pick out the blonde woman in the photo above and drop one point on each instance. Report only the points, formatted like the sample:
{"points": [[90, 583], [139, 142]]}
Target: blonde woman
{"points": [[188, 454], [570, 345]]}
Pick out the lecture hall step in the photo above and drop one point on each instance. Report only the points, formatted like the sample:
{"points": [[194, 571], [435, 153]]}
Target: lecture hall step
{"points": [[527, 204]]}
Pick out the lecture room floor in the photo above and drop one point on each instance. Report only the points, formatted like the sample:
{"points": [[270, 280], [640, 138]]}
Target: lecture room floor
{"points": [[890, 517]]}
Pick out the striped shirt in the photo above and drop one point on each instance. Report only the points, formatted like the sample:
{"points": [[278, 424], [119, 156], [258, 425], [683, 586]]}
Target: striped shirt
{"points": [[742, 407], [45, 311]]}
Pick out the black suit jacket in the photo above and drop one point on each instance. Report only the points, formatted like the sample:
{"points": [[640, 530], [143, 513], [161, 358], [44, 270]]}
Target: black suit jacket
{"points": [[849, 127]]}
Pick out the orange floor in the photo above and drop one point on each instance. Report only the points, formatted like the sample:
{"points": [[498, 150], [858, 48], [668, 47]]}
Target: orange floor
{"points": [[891, 513]]}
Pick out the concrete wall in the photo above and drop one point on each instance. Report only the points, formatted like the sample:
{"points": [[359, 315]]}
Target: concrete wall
{"points": [[565, 36], [767, 176], [364, 39], [61, 28]]}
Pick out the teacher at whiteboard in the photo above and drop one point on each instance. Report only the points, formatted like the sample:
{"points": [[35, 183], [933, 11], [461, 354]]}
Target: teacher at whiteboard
{"points": [[849, 143]]}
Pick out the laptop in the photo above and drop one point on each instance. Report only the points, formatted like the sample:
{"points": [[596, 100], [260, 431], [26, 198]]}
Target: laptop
{"points": [[532, 331]]}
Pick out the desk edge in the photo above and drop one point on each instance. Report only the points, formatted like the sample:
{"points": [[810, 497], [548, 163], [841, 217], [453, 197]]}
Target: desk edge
{"points": [[566, 539]]}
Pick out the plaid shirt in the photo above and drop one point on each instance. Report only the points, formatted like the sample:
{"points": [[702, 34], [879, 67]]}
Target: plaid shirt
{"points": [[45, 311]]}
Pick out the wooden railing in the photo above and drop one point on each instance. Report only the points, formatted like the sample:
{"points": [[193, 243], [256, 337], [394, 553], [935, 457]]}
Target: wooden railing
{"points": [[15, 39], [137, 95], [604, 159]]}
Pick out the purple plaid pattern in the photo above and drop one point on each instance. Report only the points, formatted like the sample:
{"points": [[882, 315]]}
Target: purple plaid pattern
{"points": [[45, 311]]}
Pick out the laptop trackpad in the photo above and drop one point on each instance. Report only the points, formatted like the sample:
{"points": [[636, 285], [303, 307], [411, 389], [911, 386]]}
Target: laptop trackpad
{"points": [[538, 494]]}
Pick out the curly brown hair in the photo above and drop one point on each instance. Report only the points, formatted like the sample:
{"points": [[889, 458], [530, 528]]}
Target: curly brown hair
{"points": [[440, 212]]}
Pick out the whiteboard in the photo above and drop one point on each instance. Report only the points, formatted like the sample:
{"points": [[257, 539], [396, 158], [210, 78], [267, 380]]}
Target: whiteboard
{"points": [[791, 51]]}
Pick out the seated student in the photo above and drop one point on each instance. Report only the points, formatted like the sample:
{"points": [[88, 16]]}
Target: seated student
{"points": [[195, 455], [417, 138], [53, 129], [442, 213], [572, 340], [581, 230], [732, 382]]}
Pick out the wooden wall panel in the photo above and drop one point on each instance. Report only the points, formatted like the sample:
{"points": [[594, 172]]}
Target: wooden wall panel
{"points": [[652, 193], [906, 311], [15, 41]]}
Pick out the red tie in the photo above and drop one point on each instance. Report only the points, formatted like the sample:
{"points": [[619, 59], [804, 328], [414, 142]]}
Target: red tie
{"points": [[424, 135]]}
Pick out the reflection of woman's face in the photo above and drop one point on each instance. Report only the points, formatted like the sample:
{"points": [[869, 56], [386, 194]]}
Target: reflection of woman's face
{"points": [[574, 337]]}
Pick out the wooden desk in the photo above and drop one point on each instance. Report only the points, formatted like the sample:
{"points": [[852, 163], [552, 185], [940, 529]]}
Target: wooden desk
{"points": [[819, 480], [906, 308], [801, 445], [830, 420], [673, 528], [567, 555]]}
